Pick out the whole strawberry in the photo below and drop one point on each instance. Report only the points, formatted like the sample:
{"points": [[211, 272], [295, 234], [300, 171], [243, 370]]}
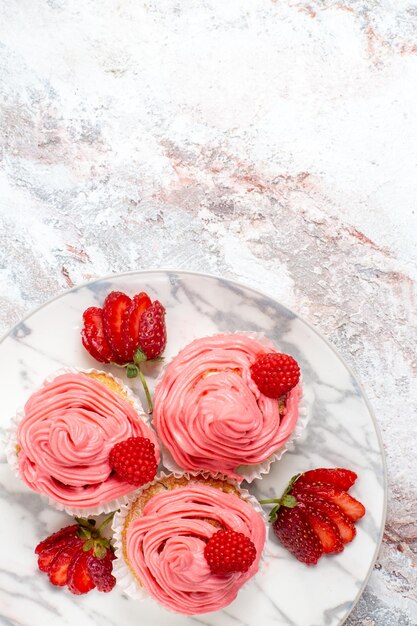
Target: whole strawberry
{"points": [[134, 460], [126, 332], [228, 551], [315, 515], [79, 557], [275, 374]]}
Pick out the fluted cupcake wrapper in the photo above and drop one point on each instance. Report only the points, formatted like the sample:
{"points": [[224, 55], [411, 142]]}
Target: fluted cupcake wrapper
{"points": [[126, 580], [12, 444], [249, 473]]}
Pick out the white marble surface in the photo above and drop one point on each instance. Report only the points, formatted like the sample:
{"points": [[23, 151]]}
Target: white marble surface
{"points": [[268, 141]]}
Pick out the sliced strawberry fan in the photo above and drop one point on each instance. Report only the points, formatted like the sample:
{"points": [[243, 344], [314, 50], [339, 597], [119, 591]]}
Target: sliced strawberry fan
{"points": [[79, 557], [315, 515], [126, 332]]}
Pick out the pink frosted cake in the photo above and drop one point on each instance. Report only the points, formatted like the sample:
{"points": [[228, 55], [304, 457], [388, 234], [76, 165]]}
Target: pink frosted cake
{"points": [[63, 441], [161, 542], [210, 414]]}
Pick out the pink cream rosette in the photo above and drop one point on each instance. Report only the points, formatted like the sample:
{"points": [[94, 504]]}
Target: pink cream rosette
{"points": [[210, 415], [160, 551], [61, 441]]}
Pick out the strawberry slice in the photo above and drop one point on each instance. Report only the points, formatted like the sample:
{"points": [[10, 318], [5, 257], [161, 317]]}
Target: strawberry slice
{"points": [[346, 528], [353, 509], [114, 309], [152, 331], [338, 477], [58, 569], [93, 337], [130, 323], [326, 530], [78, 578], [296, 534], [68, 531], [47, 555]]}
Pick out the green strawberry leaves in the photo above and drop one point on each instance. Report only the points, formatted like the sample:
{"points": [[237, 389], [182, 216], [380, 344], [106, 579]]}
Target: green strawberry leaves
{"points": [[92, 536]]}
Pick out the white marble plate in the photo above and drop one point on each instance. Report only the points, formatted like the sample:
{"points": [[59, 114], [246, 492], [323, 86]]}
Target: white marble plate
{"points": [[341, 432]]}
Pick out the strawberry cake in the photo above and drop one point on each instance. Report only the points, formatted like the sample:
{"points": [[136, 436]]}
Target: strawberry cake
{"points": [[171, 542], [62, 443], [213, 409]]}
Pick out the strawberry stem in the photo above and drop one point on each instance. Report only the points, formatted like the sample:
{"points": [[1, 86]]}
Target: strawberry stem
{"points": [[286, 500], [146, 388], [133, 370], [106, 521]]}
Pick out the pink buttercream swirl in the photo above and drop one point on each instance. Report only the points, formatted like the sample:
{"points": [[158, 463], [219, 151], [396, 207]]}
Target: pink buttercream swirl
{"points": [[210, 414], [66, 434], [165, 547]]}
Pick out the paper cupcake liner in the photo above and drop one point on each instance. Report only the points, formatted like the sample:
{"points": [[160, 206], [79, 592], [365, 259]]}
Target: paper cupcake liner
{"points": [[12, 443], [126, 580], [249, 473]]}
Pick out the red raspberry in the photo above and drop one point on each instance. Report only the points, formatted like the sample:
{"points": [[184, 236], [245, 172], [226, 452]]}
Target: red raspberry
{"points": [[134, 460], [228, 551], [275, 374]]}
